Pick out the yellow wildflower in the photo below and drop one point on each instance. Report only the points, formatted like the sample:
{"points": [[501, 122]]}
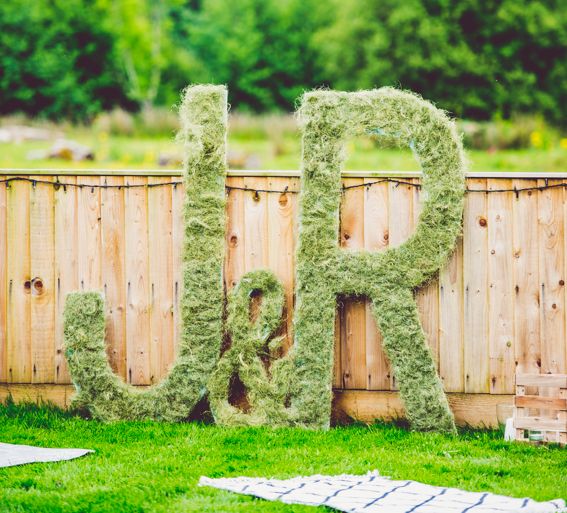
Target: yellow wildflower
{"points": [[536, 139]]}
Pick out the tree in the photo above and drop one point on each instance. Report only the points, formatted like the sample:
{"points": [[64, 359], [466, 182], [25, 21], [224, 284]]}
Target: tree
{"points": [[262, 50], [142, 35], [56, 60], [475, 58]]}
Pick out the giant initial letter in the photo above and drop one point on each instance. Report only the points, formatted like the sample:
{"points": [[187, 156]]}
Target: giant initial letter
{"points": [[203, 134], [324, 271]]}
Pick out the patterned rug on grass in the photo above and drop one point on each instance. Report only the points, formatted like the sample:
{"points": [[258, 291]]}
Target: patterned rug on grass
{"points": [[375, 494], [11, 454]]}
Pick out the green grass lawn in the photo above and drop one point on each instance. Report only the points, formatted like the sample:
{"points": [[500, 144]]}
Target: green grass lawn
{"points": [[138, 152], [152, 467]]}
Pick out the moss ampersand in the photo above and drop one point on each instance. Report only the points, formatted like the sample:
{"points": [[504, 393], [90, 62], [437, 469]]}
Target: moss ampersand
{"points": [[324, 271], [252, 343], [203, 135]]}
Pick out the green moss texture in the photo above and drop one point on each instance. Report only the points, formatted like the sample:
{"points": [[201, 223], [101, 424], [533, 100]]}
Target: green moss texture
{"points": [[253, 355], [324, 271], [204, 123], [295, 389]]}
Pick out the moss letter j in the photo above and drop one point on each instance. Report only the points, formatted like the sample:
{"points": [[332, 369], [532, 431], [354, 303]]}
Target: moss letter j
{"points": [[203, 134]]}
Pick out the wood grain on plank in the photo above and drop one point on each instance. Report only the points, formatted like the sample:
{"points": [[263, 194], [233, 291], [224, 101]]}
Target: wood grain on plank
{"points": [[113, 271], [526, 279], [552, 247], [501, 289], [427, 296], [177, 237], [137, 284], [540, 423], [401, 224], [66, 267], [536, 401], [282, 219], [88, 218], [161, 278], [59, 394], [451, 322], [475, 278], [376, 239], [19, 284], [337, 357], [353, 342], [255, 225], [3, 281], [234, 258], [542, 380], [42, 254], [477, 410]]}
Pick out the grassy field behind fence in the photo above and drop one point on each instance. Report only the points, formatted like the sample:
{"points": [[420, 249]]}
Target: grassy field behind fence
{"points": [[154, 467], [273, 142], [133, 152]]}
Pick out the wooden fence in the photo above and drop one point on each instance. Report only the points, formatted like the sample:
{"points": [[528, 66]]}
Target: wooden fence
{"points": [[497, 307]]}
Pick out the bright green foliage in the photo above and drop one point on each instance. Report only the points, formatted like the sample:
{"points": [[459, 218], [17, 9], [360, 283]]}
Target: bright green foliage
{"points": [[477, 59], [56, 60], [252, 343], [154, 467], [203, 134], [329, 119], [262, 49], [144, 45]]}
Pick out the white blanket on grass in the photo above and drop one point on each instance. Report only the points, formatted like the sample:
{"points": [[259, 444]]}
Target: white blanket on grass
{"points": [[375, 494], [11, 454]]}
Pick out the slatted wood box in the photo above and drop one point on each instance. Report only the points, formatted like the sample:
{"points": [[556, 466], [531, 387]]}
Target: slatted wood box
{"points": [[541, 405]]}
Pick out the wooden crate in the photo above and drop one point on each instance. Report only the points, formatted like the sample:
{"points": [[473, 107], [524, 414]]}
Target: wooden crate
{"points": [[547, 395]]}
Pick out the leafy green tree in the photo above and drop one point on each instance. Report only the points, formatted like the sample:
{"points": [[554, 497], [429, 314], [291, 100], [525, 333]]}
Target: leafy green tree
{"points": [[525, 44], [476, 58], [56, 60], [142, 32], [262, 50]]}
